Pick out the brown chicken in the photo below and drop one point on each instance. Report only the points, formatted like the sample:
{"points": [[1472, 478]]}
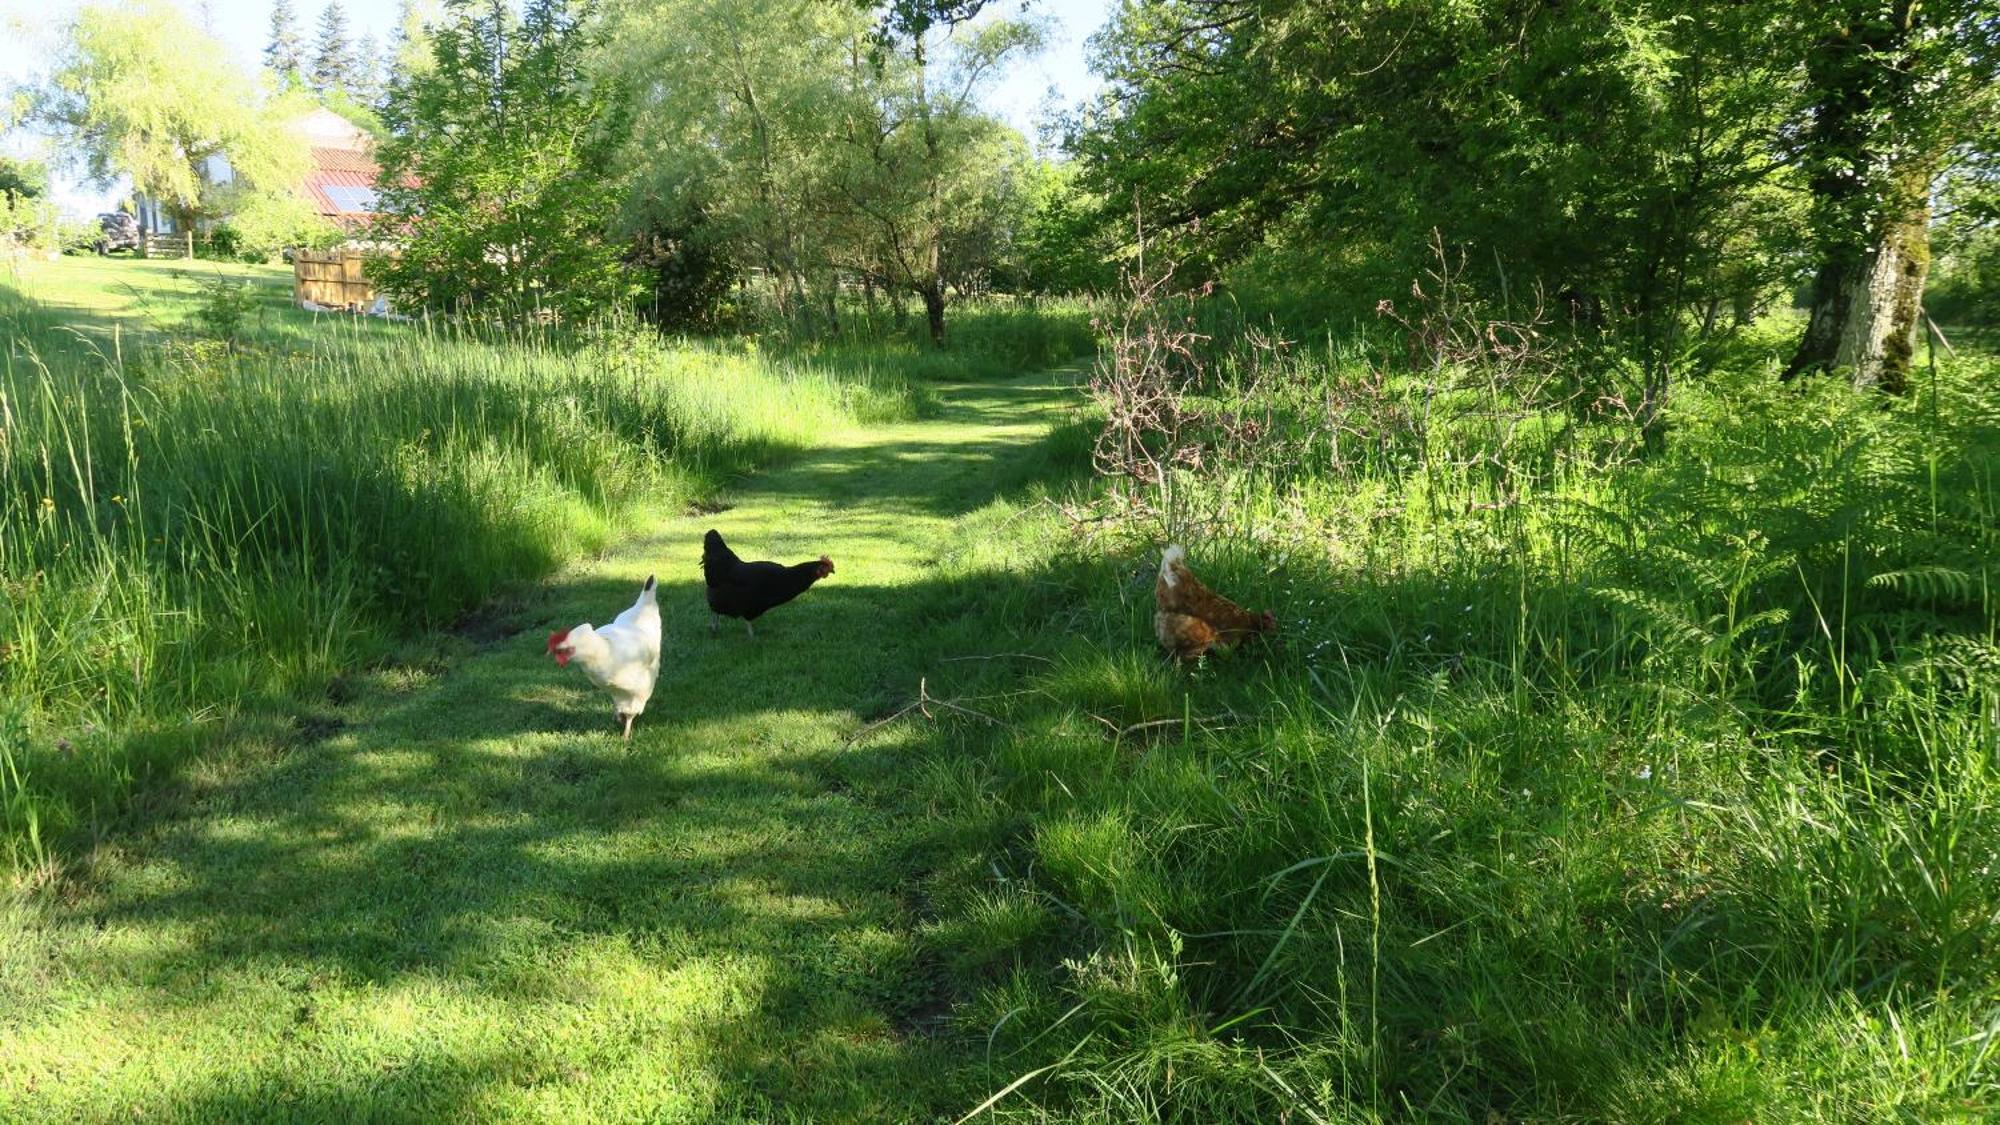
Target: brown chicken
{"points": [[1193, 619]]}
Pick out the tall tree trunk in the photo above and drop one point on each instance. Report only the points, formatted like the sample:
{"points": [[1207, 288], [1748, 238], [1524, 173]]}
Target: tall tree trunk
{"points": [[932, 287], [1871, 199], [1865, 307], [933, 293]]}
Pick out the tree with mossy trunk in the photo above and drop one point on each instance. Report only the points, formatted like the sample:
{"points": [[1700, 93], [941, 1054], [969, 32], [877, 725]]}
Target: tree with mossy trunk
{"points": [[1895, 89]]}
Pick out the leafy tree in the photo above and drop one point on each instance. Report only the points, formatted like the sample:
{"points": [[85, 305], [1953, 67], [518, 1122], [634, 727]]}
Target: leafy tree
{"points": [[495, 176], [1064, 244], [823, 140], [1618, 153], [410, 44], [284, 52], [927, 181], [759, 86], [22, 179], [365, 84], [333, 56], [27, 217], [139, 91], [1893, 87], [366, 116], [260, 224], [1964, 284], [688, 272]]}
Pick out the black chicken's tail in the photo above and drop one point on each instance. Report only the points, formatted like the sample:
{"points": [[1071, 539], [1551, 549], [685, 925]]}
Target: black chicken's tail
{"points": [[715, 554]]}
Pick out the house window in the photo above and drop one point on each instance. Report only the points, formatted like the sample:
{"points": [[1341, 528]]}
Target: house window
{"points": [[352, 200]]}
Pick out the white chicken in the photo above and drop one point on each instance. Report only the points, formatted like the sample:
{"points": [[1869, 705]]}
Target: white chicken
{"points": [[622, 657]]}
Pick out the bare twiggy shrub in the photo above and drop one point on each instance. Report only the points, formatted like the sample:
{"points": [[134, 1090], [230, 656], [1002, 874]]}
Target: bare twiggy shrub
{"points": [[1447, 329], [1485, 374], [1149, 362]]}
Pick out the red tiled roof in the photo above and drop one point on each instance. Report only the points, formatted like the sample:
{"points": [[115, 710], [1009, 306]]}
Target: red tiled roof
{"points": [[344, 160], [337, 167]]}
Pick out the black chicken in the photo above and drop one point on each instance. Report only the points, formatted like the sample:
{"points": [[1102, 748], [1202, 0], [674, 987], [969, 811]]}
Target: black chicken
{"points": [[751, 589]]}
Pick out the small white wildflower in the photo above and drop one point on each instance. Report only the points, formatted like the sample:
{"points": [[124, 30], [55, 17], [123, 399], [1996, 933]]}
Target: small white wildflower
{"points": [[1645, 773]]}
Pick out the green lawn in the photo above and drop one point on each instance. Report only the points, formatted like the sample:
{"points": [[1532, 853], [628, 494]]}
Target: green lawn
{"points": [[1579, 785], [152, 295], [450, 891]]}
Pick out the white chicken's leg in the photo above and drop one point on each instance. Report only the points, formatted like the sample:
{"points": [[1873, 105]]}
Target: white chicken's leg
{"points": [[628, 726]]}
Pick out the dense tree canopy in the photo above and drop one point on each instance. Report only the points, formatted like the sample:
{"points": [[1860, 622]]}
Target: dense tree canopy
{"points": [[495, 175], [825, 140], [21, 178], [1658, 164]]}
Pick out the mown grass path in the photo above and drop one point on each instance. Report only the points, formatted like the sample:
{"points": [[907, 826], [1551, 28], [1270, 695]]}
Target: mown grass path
{"points": [[452, 893]]}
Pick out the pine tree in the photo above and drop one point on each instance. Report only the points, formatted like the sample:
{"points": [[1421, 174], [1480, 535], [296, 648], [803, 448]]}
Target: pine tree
{"points": [[333, 63], [365, 83], [284, 54], [409, 50]]}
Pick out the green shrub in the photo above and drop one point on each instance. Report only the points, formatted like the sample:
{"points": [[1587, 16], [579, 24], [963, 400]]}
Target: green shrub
{"points": [[224, 309]]}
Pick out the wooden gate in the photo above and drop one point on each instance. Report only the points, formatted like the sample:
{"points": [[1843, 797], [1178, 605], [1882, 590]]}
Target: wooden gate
{"points": [[333, 278], [155, 245]]}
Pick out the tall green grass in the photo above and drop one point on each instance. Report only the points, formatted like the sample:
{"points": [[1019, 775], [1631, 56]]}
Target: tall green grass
{"points": [[186, 529], [1580, 785], [985, 337]]}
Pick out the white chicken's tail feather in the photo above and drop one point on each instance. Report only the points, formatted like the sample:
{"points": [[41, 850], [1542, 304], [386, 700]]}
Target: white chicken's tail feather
{"points": [[648, 600], [1175, 553]]}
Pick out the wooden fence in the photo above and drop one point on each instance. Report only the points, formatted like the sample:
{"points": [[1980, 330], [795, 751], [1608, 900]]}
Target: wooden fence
{"points": [[154, 245], [333, 278]]}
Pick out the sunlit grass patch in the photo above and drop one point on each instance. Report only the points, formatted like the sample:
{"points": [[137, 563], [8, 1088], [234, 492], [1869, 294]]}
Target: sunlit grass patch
{"points": [[187, 530]]}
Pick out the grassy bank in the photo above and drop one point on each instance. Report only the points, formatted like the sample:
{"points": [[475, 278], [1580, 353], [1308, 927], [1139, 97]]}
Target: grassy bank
{"points": [[1582, 785], [451, 893], [986, 338], [190, 526]]}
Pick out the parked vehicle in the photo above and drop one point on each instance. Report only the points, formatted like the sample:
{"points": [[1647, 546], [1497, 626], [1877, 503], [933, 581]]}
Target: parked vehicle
{"points": [[117, 231]]}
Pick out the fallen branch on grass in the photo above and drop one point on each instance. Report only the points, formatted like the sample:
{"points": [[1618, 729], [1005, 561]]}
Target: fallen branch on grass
{"points": [[1207, 725], [922, 704]]}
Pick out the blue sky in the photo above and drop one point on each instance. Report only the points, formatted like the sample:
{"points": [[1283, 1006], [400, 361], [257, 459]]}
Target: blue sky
{"points": [[29, 26]]}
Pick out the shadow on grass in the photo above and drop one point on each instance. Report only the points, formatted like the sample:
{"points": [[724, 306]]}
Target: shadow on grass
{"points": [[471, 836]]}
